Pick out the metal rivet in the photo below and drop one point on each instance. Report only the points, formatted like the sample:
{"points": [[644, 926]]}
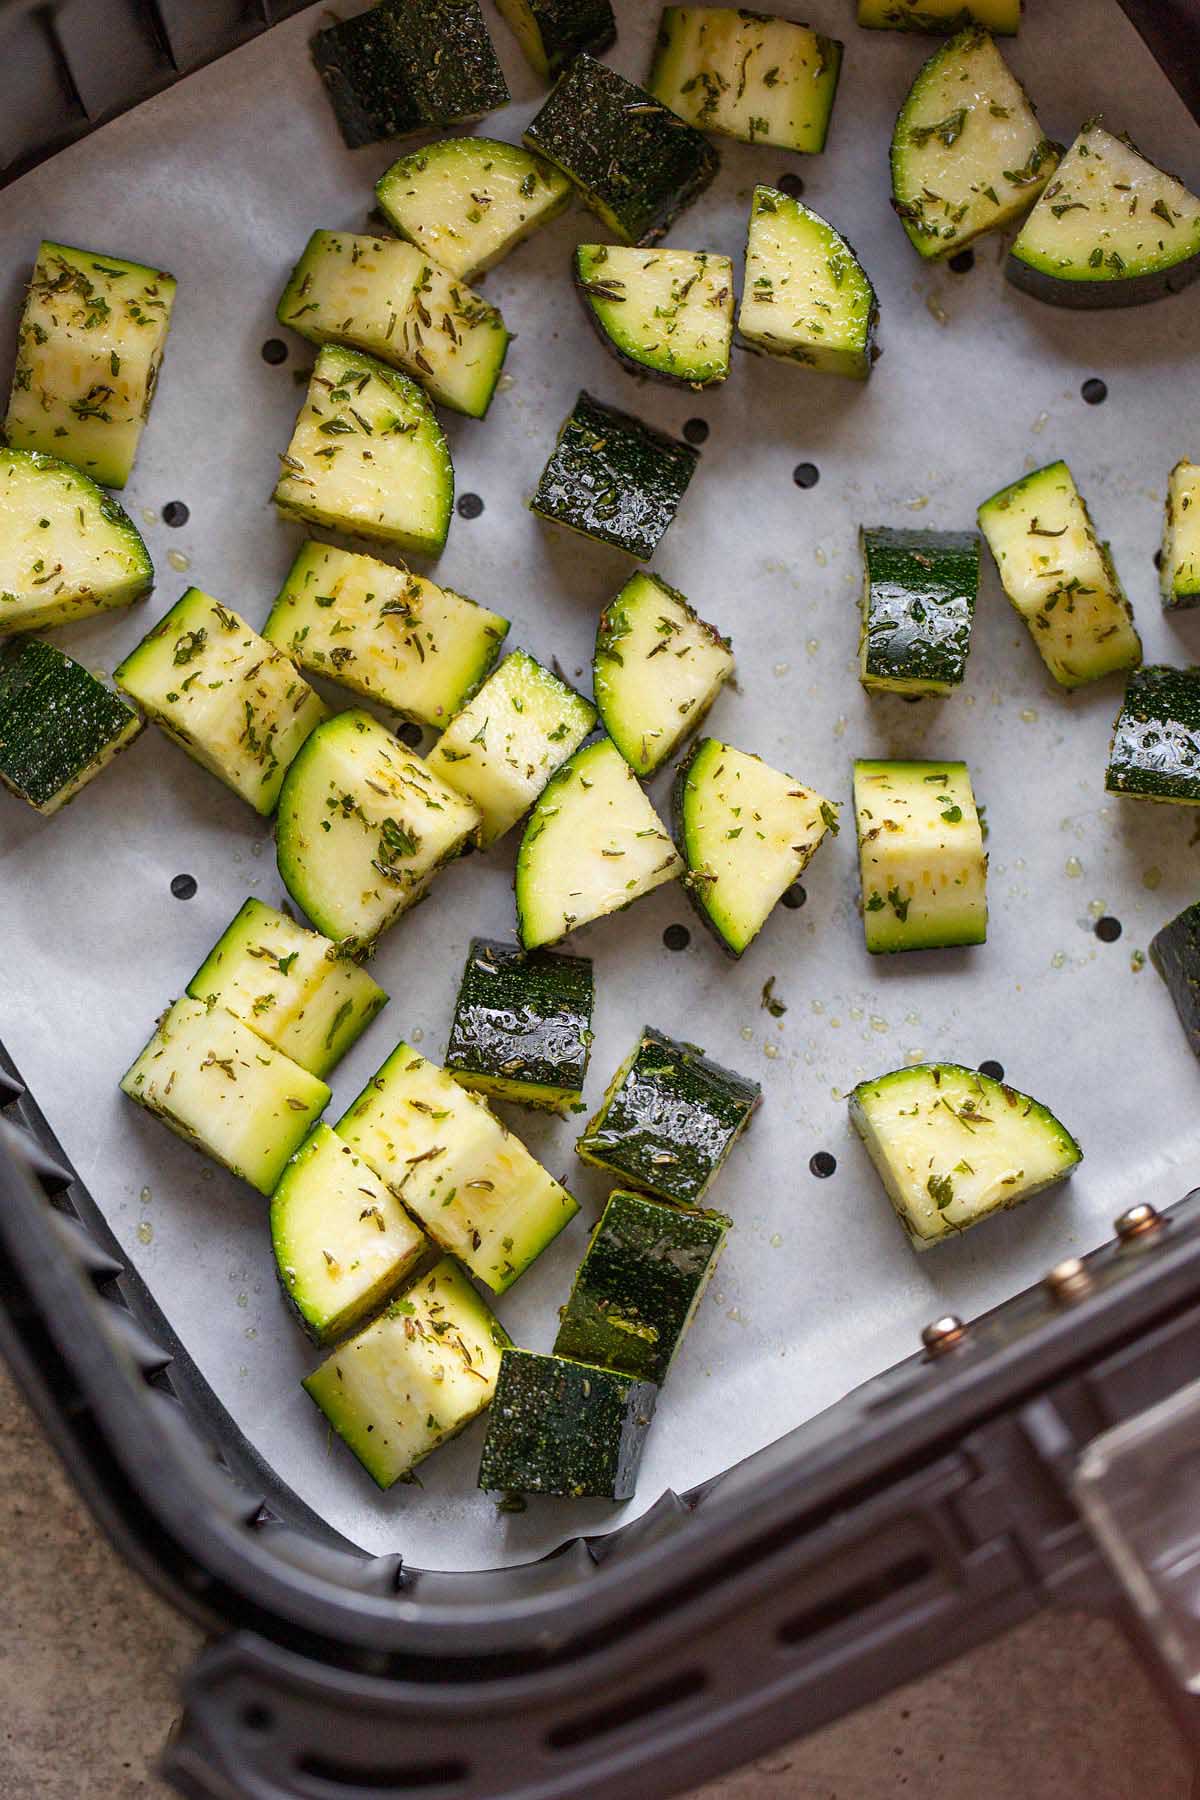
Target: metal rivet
{"points": [[944, 1334], [1138, 1221], [1069, 1279]]}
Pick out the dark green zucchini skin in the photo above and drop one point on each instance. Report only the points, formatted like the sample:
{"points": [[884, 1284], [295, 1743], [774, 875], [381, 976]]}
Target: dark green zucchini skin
{"points": [[1175, 953], [636, 162], [1102, 296], [567, 27], [635, 1289], [406, 64], [922, 587], [614, 478], [672, 1120], [1155, 751], [55, 719], [523, 1022], [360, 64], [561, 1427]]}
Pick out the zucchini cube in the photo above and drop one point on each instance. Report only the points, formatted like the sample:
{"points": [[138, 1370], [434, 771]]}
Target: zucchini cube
{"points": [[614, 478], [1180, 559], [522, 1027], [405, 64], [664, 313], [68, 549], [806, 298], [1155, 752], [657, 668], [918, 606], [1175, 953], [669, 1119], [551, 32], [921, 856], [637, 1289], [560, 1427], [747, 75], [468, 201], [59, 726]]}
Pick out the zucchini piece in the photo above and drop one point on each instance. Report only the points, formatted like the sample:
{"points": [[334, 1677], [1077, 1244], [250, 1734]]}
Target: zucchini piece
{"points": [[368, 456], [921, 856], [747, 75], [414, 1378], [952, 1146], [918, 606], [635, 164], [388, 299], [1060, 577], [235, 703], [384, 632], [219, 1086], [638, 1287], [968, 154], [593, 845], [342, 1240], [468, 201], [614, 478], [1179, 572], [363, 828], [474, 1186], [67, 550], [289, 985], [1110, 230], [59, 726], [89, 347], [666, 313], [807, 298], [657, 669], [1155, 752], [1175, 953], [502, 748], [669, 1119], [522, 1027], [1002, 17], [406, 64], [747, 833], [551, 32], [561, 1427], [360, 63]]}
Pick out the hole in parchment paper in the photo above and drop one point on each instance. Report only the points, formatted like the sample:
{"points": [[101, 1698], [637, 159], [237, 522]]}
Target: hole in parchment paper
{"points": [[1108, 930], [993, 1069], [696, 431], [175, 513], [791, 185], [806, 475], [1158, 558], [823, 1163], [677, 937], [795, 896], [183, 886], [410, 734], [1094, 391], [469, 506], [256, 1717], [963, 263], [274, 351]]}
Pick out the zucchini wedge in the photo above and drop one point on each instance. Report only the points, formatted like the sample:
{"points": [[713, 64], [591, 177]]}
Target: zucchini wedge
{"points": [[952, 1146], [522, 1028], [921, 856], [968, 154], [467, 201], [593, 845], [1001, 17], [552, 32], [67, 549], [405, 64], [747, 833], [807, 298], [918, 606], [614, 478], [666, 313], [747, 75], [1175, 953], [368, 456], [363, 828], [1110, 230], [1179, 572], [59, 726], [657, 669], [1155, 753], [1060, 577], [384, 632], [563, 1427]]}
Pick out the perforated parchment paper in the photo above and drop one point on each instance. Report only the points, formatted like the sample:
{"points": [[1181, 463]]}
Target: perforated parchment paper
{"points": [[221, 182]]}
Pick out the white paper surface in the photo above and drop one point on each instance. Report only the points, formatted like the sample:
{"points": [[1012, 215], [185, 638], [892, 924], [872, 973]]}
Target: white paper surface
{"points": [[221, 181]]}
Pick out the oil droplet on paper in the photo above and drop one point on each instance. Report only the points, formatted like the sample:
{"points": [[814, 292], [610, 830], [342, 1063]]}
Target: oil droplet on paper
{"points": [[149, 516], [178, 561], [747, 1034], [771, 1050], [878, 1024], [1151, 878], [919, 504], [1058, 960], [145, 1196], [417, 1036], [934, 306], [1097, 908], [812, 646], [1028, 714], [145, 1232], [780, 669], [820, 557], [839, 726], [776, 1239], [1074, 867], [1041, 422], [243, 1299]]}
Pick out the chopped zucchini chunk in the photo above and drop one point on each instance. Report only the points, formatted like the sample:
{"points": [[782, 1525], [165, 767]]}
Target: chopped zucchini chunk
{"points": [[1110, 230], [1060, 576], [1175, 953], [669, 1119], [502, 748], [551, 32], [1003, 17], [593, 845], [807, 297], [468, 201], [67, 550], [637, 1289], [367, 81], [747, 75], [636, 165], [89, 347], [216, 1083], [952, 1146], [522, 1027], [59, 726], [363, 828], [1179, 572], [921, 856], [1155, 751], [383, 632], [666, 313], [368, 456], [415, 1377], [235, 703], [443, 1152], [405, 64], [562, 1427], [289, 985], [747, 832], [918, 606], [614, 478], [658, 668], [342, 1240], [968, 154]]}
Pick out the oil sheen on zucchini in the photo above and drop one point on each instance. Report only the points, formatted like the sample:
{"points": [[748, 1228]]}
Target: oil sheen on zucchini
{"points": [[564, 1427], [666, 313], [67, 549], [919, 591], [522, 1027], [1179, 561], [405, 64], [1155, 752], [468, 201], [747, 75], [59, 726], [657, 669], [806, 297], [921, 856], [551, 32], [612, 477]]}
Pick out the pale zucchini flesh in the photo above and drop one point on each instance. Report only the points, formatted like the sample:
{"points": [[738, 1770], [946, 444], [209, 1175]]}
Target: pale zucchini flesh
{"points": [[468, 201], [657, 669], [747, 75], [921, 856], [1179, 573], [806, 298], [67, 549]]}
